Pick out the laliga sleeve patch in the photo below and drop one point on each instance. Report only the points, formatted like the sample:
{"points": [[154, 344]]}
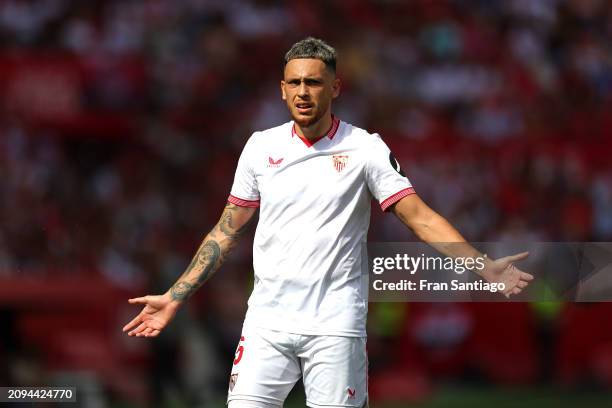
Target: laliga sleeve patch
{"points": [[395, 164]]}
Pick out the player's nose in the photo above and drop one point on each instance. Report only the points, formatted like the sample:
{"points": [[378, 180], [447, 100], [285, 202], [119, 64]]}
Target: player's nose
{"points": [[303, 90]]}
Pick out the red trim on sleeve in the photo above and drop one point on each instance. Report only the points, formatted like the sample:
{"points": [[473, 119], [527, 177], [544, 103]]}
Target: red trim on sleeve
{"points": [[396, 197], [243, 203]]}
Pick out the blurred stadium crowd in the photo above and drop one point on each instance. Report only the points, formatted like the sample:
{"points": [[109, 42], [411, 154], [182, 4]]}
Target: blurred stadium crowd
{"points": [[121, 123]]}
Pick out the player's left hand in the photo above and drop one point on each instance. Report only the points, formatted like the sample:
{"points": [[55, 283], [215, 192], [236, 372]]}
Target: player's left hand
{"points": [[503, 271]]}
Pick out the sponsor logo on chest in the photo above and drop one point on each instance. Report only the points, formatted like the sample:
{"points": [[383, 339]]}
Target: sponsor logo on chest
{"points": [[274, 163]]}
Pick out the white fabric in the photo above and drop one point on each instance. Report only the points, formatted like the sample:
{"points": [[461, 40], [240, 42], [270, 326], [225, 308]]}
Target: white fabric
{"points": [[250, 404], [310, 275], [268, 363]]}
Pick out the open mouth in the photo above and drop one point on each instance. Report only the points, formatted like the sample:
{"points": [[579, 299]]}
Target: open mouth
{"points": [[303, 107]]}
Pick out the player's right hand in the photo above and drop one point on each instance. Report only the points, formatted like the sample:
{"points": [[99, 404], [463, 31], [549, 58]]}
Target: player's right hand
{"points": [[503, 271], [158, 311]]}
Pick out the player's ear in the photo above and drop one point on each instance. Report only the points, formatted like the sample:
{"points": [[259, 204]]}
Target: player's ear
{"points": [[283, 94], [336, 88]]}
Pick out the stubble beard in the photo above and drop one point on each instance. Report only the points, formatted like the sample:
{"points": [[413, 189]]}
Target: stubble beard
{"points": [[306, 122]]}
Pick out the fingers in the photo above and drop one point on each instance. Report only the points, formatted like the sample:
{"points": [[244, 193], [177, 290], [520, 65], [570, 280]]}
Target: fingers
{"points": [[138, 319], [517, 257], [138, 330], [152, 333], [135, 321], [152, 323], [143, 325], [526, 276], [522, 284], [145, 332], [149, 332], [139, 300], [512, 292]]}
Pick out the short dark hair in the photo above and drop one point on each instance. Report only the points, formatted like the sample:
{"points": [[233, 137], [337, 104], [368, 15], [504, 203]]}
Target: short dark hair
{"points": [[313, 48]]}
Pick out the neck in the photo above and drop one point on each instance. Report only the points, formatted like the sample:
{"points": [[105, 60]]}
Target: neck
{"points": [[316, 130]]}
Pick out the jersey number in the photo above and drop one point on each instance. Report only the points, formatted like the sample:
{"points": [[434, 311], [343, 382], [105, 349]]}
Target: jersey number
{"points": [[239, 351]]}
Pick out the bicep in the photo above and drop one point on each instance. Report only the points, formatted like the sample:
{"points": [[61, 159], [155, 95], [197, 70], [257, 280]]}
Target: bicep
{"points": [[242, 216], [234, 220]]}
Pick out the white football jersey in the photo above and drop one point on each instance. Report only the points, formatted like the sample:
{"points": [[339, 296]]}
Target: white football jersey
{"points": [[314, 199]]}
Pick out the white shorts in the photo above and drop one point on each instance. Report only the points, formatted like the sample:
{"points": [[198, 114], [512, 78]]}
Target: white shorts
{"points": [[268, 363]]}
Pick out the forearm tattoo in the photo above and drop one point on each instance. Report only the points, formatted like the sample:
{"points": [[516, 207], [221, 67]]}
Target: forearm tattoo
{"points": [[225, 224], [181, 290], [209, 256]]}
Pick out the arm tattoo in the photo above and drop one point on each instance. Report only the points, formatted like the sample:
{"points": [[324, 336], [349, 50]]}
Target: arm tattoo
{"points": [[225, 224], [181, 290], [206, 258], [210, 255], [204, 263]]}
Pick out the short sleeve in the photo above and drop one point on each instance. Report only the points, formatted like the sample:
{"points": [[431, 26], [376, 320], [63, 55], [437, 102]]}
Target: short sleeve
{"points": [[245, 192], [386, 180]]}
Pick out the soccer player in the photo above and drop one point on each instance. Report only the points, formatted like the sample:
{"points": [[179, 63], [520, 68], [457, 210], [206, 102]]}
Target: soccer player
{"points": [[313, 179]]}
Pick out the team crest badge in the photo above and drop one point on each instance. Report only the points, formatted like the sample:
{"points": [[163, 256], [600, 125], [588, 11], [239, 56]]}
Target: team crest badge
{"points": [[339, 162]]}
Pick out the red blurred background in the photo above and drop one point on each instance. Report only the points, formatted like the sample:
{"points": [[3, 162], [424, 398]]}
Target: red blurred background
{"points": [[121, 123]]}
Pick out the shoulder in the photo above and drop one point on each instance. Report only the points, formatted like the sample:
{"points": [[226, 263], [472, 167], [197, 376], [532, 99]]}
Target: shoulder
{"points": [[361, 136], [272, 133], [264, 138]]}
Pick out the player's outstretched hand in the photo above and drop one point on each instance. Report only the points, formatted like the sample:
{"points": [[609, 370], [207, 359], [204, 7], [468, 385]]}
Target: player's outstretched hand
{"points": [[158, 311], [503, 271]]}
